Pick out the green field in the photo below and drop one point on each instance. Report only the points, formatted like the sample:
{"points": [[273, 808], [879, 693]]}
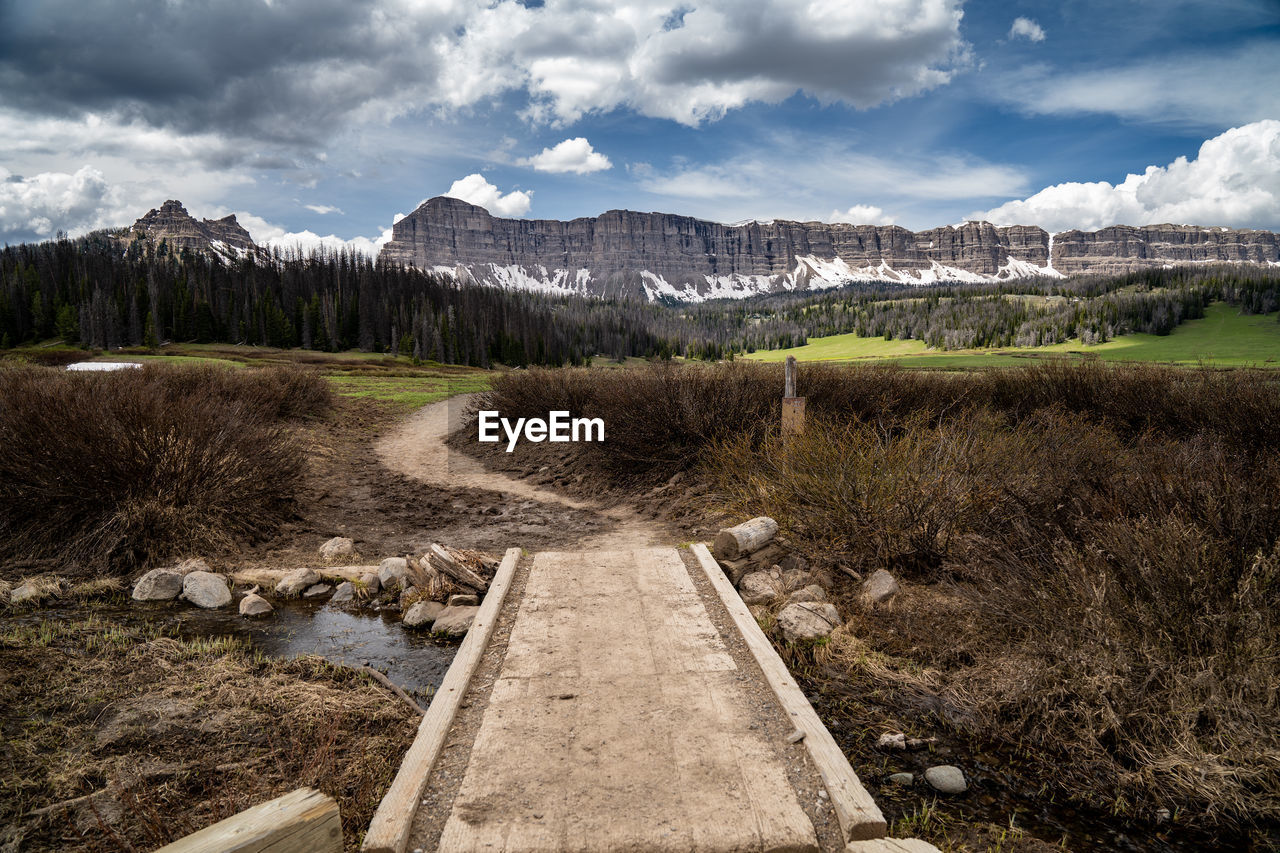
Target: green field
{"points": [[1224, 338], [410, 391]]}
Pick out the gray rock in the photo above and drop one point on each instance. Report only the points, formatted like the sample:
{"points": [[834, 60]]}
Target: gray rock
{"points": [[158, 585], [194, 564], [346, 591], [454, 621], [422, 614], [296, 581], [903, 779], [371, 583], [463, 600], [946, 779], [207, 590], [795, 578], [812, 592], [255, 605], [392, 572], [338, 546], [24, 592], [793, 563], [892, 740], [807, 620], [879, 588], [758, 588], [316, 590]]}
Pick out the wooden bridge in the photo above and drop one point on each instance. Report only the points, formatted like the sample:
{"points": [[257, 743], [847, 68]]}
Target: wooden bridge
{"points": [[634, 704]]}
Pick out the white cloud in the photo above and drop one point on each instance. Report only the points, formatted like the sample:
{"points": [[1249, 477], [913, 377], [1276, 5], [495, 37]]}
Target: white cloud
{"points": [[573, 155], [322, 209], [1027, 29], [475, 189], [1219, 89], [1234, 181], [268, 234], [861, 214], [37, 207], [579, 56]]}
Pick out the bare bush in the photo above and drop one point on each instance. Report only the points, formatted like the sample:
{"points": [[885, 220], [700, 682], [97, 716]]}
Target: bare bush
{"points": [[116, 470]]}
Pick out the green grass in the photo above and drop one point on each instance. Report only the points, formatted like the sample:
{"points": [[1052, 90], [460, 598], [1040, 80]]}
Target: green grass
{"points": [[1224, 338], [409, 391]]}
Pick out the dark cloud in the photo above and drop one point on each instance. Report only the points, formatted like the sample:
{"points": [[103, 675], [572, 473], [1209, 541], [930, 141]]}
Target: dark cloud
{"points": [[289, 72]]}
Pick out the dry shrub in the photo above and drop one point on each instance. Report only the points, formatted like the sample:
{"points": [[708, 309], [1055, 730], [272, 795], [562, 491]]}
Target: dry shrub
{"points": [[664, 417], [115, 470], [1110, 601]]}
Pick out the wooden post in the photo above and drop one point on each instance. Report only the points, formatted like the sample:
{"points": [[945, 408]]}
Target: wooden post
{"points": [[792, 406]]}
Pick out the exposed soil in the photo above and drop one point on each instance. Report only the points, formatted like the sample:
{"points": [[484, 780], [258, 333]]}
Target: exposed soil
{"points": [[386, 482]]}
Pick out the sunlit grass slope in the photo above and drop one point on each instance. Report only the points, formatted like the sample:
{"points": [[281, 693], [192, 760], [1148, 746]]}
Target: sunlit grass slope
{"points": [[1224, 338]]}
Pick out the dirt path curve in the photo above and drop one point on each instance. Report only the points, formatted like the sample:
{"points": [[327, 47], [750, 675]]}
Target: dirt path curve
{"points": [[417, 449]]}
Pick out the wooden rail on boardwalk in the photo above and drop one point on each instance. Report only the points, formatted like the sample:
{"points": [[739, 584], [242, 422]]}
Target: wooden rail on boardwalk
{"points": [[860, 818], [303, 821], [389, 830]]}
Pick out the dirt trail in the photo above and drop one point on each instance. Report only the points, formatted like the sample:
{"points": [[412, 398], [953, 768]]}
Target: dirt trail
{"points": [[417, 449]]}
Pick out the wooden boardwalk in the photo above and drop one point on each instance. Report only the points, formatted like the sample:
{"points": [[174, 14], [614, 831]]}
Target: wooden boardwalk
{"points": [[619, 720]]}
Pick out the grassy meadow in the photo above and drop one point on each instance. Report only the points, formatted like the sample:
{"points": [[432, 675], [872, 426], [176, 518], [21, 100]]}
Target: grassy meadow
{"points": [[1224, 338]]}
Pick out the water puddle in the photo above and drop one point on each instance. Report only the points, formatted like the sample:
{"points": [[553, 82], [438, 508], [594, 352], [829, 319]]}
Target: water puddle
{"points": [[416, 662]]}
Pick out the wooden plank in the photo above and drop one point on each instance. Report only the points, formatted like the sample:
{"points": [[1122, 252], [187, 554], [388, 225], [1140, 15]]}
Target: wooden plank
{"points": [[303, 821], [793, 415], [389, 829], [891, 845], [860, 818]]}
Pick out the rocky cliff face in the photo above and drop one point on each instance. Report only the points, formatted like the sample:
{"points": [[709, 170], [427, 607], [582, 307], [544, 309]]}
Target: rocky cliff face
{"points": [[1123, 248], [179, 229], [624, 253]]}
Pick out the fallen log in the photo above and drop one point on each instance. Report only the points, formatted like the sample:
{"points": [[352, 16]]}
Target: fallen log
{"points": [[747, 537], [450, 562]]}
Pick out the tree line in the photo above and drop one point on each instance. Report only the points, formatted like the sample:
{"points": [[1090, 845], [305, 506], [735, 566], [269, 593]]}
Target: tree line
{"points": [[102, 291]]}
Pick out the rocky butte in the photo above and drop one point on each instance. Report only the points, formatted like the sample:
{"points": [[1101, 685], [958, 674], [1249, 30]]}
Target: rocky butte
{"points": [[660, 255], [181, 230]]}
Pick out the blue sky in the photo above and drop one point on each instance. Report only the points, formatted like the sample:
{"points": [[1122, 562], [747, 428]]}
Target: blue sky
{"points": [[322, 120]]}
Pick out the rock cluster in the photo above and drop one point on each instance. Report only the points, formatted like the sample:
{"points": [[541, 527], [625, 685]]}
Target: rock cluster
{"points": [[766, 573]]}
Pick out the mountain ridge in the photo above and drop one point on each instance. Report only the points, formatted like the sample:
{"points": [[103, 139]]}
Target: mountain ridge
{"points": [[657, 255], [630, 254]]}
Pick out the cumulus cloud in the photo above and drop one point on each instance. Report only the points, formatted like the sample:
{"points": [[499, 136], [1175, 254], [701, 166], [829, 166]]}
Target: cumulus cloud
{"points": [[269, 234], [475, 189], [1233, 181], [861, 214], [1220, 89], [1027, 29], [35, 208], [322, 209], [579, 56], [201, 67], [573, 155]]}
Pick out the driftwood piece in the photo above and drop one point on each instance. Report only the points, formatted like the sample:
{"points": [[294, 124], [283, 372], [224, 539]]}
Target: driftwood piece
{"points": [[393, 687], [747, 537], [454, 564]]}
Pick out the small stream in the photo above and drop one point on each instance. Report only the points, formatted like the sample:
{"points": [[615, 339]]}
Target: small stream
{"points": [[415, 661]]}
